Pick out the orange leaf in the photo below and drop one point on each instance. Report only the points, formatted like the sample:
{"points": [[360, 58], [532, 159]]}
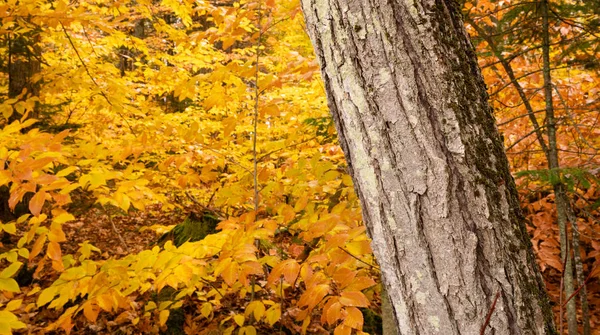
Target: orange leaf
{"points": [[333, 313], [54, 251], [314, 295], [37, 202], [37, 246], [55, 255], [288, 268], [230, 273], [360, 283], [91, 311], [15, 198], [342, 330], [301, 204], [354, 298], [344, 276], [66, 324], [354, 318]]}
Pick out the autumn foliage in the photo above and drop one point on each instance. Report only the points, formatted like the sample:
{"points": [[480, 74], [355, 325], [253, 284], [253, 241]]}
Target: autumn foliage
{"points": [[127, 116]]}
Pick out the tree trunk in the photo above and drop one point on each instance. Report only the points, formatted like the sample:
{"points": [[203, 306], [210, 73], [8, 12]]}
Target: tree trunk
{"points": [[560, 195], [413, 118], [22, 65]]}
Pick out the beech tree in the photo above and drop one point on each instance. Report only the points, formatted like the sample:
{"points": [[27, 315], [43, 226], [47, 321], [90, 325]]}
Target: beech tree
{"points": [[413, 118]]}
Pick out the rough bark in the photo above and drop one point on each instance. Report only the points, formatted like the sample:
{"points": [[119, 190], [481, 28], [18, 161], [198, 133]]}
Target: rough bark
{"points": [[413, 118], [388, 325]]}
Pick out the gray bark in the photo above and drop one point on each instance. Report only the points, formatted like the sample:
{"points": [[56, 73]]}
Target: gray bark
{"points": [[388, 325], [413, 118]]}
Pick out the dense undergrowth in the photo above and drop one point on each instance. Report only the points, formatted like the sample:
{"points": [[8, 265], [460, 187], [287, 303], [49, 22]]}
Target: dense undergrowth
{"points": [[140, 125]]}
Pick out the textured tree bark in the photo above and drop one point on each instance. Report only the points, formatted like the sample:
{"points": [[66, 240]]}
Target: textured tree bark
{"points": [[22, 65], [413, 118]]}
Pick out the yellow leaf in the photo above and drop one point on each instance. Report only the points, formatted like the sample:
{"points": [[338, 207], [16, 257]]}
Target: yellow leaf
{"points": [[96, 180], [10, 270], [163, 316], [23, 252], [122, 200], [250, 330], [106, 302], [46, 296], [65, 322], [358, 248], [273, 314], [10, 228], [257, 308], [9, 321], [9, 285], [63, 217], [6, 110], [150, 306], [305, 324], [13, 304], [263, 175], [206, 309], [56, 233], [37, 202], [67, 171], [239, 319]]}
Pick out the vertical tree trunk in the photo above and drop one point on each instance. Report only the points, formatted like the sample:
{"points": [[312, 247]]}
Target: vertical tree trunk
{"points": [[413, 118], [23, 64], [560, 195]]}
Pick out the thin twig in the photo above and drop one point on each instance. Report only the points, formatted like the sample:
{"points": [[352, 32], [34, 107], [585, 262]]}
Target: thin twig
{"points": [[254, 134], [489, 314], [92, 77], [213, 286], [116, 231], [358, 259]]}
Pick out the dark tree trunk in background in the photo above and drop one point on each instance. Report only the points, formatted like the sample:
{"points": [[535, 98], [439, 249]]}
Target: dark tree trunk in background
{"points": [[413, 118], [22, 65]]}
